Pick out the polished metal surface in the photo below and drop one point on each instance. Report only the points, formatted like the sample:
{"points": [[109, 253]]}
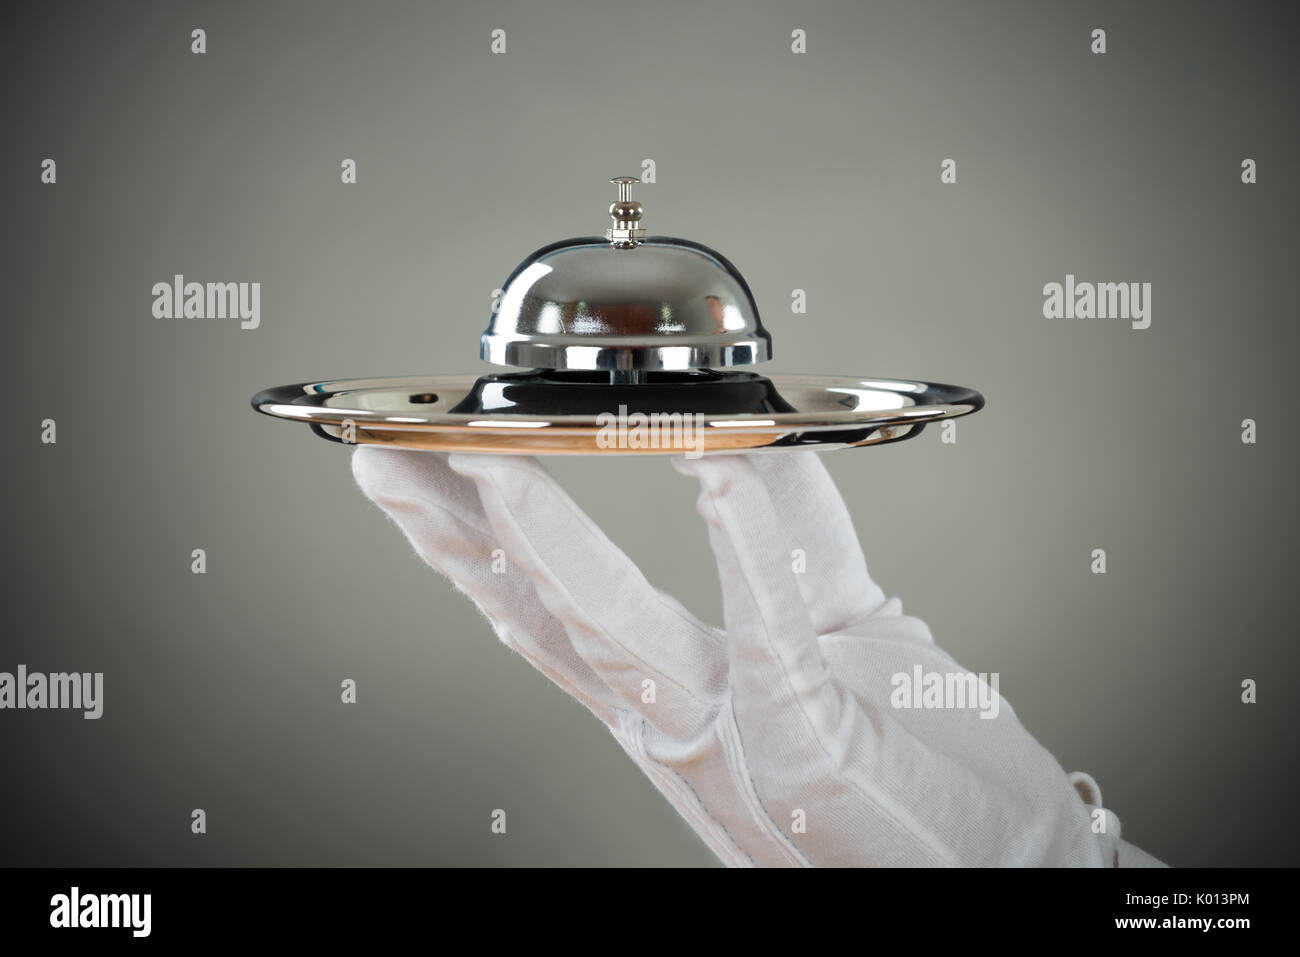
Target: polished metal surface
{"points": [[626, 214], [633, 323], [625, 303], [832, 412]]}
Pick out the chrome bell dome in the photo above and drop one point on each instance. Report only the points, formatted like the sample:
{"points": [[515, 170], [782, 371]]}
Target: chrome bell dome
{"points": [[626, 304]]}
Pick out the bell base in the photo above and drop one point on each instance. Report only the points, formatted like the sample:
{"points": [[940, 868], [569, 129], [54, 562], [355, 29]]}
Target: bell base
{"points": [[575, 392]]}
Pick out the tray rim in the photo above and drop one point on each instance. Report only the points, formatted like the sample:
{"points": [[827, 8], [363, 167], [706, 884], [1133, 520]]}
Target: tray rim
{"points": [[304, 402]]}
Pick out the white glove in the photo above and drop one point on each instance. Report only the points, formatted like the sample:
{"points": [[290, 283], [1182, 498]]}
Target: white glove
{"points": [[776, 740]]}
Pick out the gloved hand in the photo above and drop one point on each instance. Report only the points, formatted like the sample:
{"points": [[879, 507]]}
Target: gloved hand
{"points": [[776, 739]]}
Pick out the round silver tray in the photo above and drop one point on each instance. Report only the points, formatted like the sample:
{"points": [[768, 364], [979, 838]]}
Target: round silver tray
{"points": [[832, 412]]}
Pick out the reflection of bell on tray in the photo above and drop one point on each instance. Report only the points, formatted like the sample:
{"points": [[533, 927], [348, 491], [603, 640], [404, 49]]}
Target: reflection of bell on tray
{"points": [[632, 345]]}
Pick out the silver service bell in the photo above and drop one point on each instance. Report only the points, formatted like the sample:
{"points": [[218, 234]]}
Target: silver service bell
{"points": [[626, 304]]}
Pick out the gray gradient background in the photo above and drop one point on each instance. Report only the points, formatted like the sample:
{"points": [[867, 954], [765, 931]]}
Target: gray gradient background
{"points": [[818, 171]]}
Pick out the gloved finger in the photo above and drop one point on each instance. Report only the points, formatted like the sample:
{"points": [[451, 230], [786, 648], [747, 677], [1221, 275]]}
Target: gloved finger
{"points": [[439, 512], [776, 662], [627, 630], [836, 587]]}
